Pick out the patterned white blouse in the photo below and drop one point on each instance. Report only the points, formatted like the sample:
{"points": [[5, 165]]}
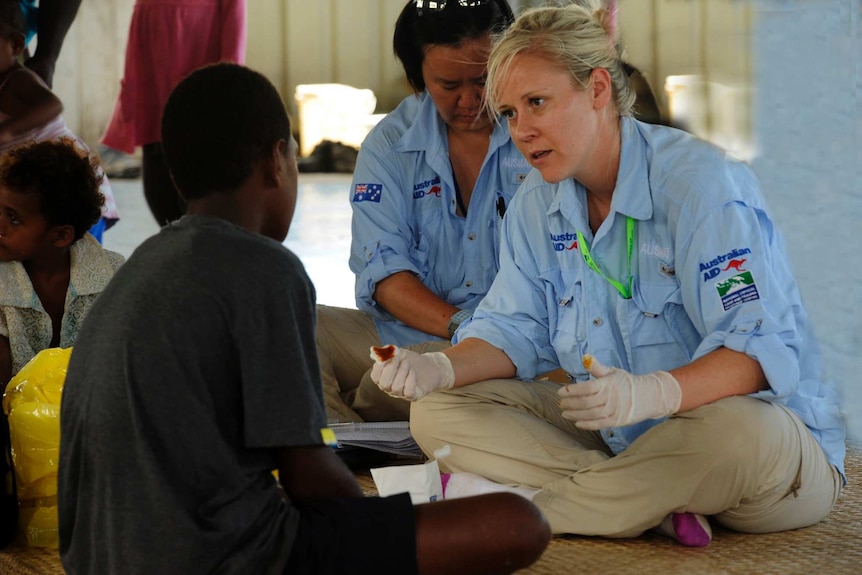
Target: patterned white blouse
{"points": [[23, 319]]}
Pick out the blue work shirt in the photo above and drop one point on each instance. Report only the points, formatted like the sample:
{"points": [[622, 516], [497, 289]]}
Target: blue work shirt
{"points": [[404, 213], [709, 269]]}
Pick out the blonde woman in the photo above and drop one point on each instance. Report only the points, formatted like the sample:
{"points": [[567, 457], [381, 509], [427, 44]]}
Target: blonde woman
{"points": [[645, 263]]}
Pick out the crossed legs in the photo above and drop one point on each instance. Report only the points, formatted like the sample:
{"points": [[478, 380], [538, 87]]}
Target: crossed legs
{"points": [[751, 465]]}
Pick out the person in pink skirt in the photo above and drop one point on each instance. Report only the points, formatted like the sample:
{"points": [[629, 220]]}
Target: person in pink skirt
{"points": [[167, 40]]}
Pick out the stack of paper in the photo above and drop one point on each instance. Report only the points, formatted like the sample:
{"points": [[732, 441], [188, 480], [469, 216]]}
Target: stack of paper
{"points": [[387, 436]]}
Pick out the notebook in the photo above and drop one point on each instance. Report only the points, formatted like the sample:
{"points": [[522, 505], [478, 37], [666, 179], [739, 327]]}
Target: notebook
{"points": [[388, 436]]}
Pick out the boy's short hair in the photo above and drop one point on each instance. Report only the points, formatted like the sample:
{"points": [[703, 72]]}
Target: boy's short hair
{"points": [[11, 18], [64, 176], [218, 122]]}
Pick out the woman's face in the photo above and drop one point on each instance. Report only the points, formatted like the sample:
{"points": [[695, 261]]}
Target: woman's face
{"points": [[554, 122], [455, 79]]}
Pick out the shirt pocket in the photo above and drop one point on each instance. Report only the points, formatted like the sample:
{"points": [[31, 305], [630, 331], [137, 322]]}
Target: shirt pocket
{"points": [[654, 311], [564, 295]]}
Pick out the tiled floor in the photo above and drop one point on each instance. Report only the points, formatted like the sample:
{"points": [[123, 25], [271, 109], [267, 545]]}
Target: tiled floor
{"points": [[319, 234]]}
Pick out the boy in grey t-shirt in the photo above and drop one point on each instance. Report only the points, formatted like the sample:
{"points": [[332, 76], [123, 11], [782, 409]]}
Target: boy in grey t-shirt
{"points": [[195, 376]]}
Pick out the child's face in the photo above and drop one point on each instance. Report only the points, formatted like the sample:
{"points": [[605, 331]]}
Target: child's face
{"points": [[24, 231], [11, 47]]}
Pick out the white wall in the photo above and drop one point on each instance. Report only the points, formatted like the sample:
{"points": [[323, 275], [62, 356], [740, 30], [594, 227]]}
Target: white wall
{"points": [[87, 77], [327, 41]]}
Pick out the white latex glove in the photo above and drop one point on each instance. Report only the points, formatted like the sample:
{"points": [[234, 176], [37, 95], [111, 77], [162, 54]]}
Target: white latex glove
{"points": [[412, 375], [617, 398]]}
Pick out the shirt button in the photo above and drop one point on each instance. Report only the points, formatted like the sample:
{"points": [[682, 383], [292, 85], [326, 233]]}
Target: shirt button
{"points": [[468, 283], [471, 236], [610, 433], [597, 322]]}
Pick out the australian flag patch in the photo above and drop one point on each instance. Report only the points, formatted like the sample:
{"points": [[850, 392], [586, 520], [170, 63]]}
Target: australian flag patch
{"points": [[367, 192]]}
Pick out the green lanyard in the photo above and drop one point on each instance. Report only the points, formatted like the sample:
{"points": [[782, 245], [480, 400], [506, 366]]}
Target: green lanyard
{"points": [[624, 289]]}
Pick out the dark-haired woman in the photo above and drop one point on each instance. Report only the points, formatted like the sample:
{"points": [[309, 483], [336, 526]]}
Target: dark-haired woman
{"points": [[431, 185]]}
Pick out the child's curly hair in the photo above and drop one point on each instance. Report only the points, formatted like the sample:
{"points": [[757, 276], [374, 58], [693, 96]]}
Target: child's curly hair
{"points": [[63, 175]]}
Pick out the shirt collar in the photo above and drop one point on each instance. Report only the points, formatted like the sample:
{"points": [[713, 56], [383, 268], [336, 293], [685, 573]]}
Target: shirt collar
{"points": [[15, 287], [90, 268], [632, 195]]}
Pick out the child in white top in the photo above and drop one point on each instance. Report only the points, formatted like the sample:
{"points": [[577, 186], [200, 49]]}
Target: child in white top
{"points": [[51, 269]]}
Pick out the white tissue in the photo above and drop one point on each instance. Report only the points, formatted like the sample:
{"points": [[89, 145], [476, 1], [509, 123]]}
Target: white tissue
{"points": [[422, 482]]}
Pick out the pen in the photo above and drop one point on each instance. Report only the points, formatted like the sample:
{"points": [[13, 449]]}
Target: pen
{"points": [[349, 426], [501, 206]]}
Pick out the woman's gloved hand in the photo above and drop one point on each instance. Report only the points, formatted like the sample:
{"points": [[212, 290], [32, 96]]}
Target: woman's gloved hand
{"points": [[411, 375], [617, 398]]}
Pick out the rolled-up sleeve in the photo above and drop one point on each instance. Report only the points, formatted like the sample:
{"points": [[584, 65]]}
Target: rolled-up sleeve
{"points": [[740, 293], [381, 235]]}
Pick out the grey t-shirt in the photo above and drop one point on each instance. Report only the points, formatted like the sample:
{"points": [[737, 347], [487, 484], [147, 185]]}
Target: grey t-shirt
{"points": [[198, 357]]}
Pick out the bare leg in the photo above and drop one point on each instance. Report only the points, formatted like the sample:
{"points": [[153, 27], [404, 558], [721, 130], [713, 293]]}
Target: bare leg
{"points": [[165, 203], [489, 534]]}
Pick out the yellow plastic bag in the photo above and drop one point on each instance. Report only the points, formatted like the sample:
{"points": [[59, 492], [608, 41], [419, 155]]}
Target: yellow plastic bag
{"points": [[32, 405]]}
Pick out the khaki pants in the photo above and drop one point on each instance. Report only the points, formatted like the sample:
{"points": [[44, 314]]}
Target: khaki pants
{"points": [[344, 337], [750, 464]]}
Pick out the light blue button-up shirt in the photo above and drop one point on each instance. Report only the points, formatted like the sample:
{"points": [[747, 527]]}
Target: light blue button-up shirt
{"points": [[709, 269], [404, 213]]}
